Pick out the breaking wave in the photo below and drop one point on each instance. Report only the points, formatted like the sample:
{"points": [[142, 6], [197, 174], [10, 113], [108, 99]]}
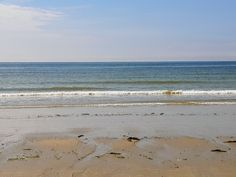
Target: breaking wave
{"points": [[70, 92]]}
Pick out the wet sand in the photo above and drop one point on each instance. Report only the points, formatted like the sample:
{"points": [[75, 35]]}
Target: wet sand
{"points": [[165, 141]]}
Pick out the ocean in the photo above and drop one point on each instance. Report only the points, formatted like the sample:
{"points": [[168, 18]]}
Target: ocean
{"points": [[58, 84]]}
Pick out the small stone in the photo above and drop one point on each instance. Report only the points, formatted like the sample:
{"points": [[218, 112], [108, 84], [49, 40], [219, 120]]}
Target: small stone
{"points": [[218, 150], [80, 136], [85, 114], [133, 139]]}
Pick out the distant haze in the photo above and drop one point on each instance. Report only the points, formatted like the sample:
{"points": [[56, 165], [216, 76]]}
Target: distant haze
{"points": [[117, 30]]}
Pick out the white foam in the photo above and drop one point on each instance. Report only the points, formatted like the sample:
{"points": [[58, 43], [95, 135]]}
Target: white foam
{"points": [[119, 93], [162, 103], [126, 104]]}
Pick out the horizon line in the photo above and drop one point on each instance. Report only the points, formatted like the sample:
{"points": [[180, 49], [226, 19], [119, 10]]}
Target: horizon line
{"points": [[118, 61]]}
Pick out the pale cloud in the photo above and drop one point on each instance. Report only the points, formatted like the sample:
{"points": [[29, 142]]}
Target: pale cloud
{"points": [[18, 18], [38, 34]]}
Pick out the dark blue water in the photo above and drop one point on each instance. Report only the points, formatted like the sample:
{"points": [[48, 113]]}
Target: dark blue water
{"points": [[47, 77]]}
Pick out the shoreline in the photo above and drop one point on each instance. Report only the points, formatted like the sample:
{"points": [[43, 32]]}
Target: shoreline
{"points": [[127, 104], [196, 120], [117, 98]]}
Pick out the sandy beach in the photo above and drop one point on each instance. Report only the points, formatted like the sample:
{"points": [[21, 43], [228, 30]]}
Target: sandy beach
{"points": [[168, 140], [102, 88]]}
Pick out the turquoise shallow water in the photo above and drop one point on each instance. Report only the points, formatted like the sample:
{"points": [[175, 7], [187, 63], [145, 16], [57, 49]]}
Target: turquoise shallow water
{"points": [[53, 83]]}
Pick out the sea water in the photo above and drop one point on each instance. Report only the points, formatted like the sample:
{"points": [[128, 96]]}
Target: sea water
{"points": [[117, 83]]}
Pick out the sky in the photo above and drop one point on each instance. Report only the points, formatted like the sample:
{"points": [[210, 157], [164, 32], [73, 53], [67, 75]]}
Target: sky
{"points": [[117, 30]]}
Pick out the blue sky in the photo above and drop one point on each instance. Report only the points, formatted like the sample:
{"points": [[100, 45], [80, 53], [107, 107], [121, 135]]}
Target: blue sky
{"points": [[117, 30]]}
